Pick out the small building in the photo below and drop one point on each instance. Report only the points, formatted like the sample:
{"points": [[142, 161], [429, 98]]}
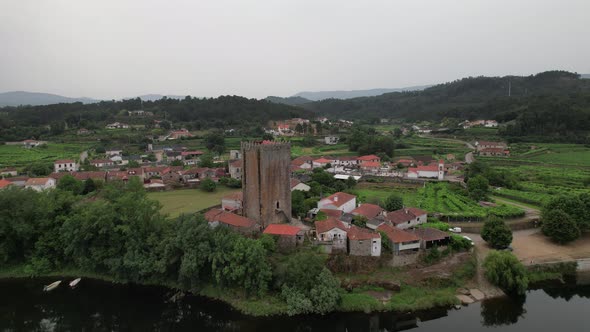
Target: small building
{"points": [[363, 242], [178, 134], [303, 162], [288, 236], [233, 202], [338, 201], [370, 166], [84, 131], [401, 241], [298, 185], [113, 152], [154, 184], [5, 184], [8, 172], [102, 163], [479, 145], [430, 237], [331, 232], [235, 169], [95, 176], [493, 152], [31, 143], [369, 211], [407, 217], [18, 181], [235, 154], [219, 217], [117, 125], [371, 158], [429, 171], [348, 161], [331, 140], [65, 165], [40, 184], [321, 162]]}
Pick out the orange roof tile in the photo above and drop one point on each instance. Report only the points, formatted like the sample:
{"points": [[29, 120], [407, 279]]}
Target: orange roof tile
{"points": [[276, 229]]}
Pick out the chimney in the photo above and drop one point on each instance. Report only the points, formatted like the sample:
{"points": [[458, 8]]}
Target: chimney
{"points": [[406, 210], [335, 198]]}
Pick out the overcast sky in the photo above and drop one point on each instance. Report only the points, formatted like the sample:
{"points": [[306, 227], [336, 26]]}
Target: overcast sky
{"points": [[122, 48]]}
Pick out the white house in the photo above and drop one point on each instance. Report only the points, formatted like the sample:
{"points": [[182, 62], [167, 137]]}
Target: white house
{"points": [[407, 217], [65, 165], [117, 125], [331, 140], [40, 184], [298, 185], [429, 171], [114, 152], [332, 231], [232, 202], [338, 201]]}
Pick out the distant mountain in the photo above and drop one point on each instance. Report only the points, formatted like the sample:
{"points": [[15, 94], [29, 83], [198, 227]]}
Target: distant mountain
{"points": [[17, 98], [340, 94], [295, 100], [585, 76], [154, 97]]}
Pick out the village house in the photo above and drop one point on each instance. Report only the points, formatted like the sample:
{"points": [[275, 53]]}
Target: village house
{"points": [[430, 237], [233, 202], [154, 171], [65, 165], [84, 131], [332, 234], [407, 217], [95, 176], [40, 184], [370, 158], [235, 169], [117, 125], [321, 162], [191, 157], [371, 167], [178, 134], [113, 152], [338, 201], [18, 181], [493, 152], [31, 143], [8, 172], [404, 162], [298, 185], [102, 163], [348, 161], [401, 241], [4, 184], [331, 140], [488, 144], [303, 162], [363, 242], [368, 211], [235, 154], [171, 175], [219, 217], [140, 113], [154, 184], [288, 237], [432, 171]]}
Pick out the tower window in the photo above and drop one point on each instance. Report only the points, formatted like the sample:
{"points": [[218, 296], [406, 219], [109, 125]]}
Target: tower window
{"points": [[277, 204]]}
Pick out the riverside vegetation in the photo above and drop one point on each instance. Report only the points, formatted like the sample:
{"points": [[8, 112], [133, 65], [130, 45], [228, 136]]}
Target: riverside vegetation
{"points": [[114, 232]]}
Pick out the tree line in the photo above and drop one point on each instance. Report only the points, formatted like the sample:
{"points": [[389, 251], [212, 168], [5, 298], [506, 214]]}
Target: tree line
{"points": [[117, 232]]}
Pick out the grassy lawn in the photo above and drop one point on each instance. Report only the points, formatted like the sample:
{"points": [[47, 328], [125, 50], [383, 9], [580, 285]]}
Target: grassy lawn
{"points": [[16, 155], [376, 192], [176, 202]]}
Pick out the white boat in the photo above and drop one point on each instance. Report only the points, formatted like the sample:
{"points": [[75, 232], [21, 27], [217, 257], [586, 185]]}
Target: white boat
{"points": [[51, 286], [75, 282]]}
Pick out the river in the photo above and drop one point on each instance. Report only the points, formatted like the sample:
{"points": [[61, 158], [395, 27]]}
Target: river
{"points": [[100, 306]]}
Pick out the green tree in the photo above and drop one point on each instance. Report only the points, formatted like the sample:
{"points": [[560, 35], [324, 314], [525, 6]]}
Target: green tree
{"points": [[89, 186], [496, 233], [206, 160], [215, 142], [504, 270], [478, 188], [71, 184], [298, 203], [559, 226], [208, 185], [393, 202]]}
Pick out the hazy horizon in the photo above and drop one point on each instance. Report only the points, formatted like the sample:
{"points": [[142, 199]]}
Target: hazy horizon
{"points": [[113, 49]]}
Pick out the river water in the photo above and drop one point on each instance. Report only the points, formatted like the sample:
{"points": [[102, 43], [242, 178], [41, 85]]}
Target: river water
{"points": [[101, 306]]}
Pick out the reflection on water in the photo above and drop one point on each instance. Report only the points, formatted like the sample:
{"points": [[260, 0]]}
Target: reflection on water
{"points": [[100, 306]]}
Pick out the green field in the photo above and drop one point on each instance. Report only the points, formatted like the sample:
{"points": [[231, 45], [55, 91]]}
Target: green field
{"points": [[16, 155], [177, 202], [377, 192]]}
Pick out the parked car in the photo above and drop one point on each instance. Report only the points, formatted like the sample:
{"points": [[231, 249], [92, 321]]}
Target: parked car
{"points": [[469, 239], [455, 230]]}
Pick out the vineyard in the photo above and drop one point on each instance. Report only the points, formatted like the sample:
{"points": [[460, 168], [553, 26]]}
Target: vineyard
{"points": [[439, 198]]}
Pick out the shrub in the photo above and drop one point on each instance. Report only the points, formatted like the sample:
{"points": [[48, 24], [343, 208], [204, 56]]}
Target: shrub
{"points": [[505, 271], [208, 185], [560, 226], [496, 233]]}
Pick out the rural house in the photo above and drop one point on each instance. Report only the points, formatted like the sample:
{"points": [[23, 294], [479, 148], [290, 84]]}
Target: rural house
{"points": [[407, 217], [218, 217], [401, 241], [288, 236], [65, 165], [338, 201], [332, 233], [40, 184], [363, 242]]}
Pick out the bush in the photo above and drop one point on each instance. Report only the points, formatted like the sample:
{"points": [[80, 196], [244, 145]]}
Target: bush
{"points": [[432, 256], [559, 226], [208, 185], [505, 271], [393, 202], [496, 233]]}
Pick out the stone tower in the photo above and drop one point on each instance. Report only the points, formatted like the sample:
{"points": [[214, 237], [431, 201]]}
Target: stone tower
{"points": [[266, 181]]}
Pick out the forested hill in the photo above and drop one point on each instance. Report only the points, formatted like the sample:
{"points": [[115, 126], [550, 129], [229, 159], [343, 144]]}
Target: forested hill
{"points": [[471, 98], [201, 112], [295, 100]]}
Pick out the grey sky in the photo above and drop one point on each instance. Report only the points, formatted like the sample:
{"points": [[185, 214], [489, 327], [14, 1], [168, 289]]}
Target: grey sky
{"points": [[119, 48]]}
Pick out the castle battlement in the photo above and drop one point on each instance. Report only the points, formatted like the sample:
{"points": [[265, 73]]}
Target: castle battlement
{"points": [[265, 145]]}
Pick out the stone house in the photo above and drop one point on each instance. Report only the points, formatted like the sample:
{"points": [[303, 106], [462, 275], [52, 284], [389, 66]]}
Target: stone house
{"points": [[363, 242], [430, 237], [401, 241], [407, 217], [220, 218], [288, 237], [40, 184], [233, 202], [331, 232], [369, 211], [235, 169]]}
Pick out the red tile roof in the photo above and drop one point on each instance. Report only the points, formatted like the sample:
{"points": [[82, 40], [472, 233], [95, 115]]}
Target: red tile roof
{"points": [[430, 234], [332, 213], [329, 224], [429, 168], [367, 210], [416, 211], [4, 183], [64, 161], [397, 235], [494, 150], [356, 233], [322, 161], [371, 164], [276, 229], [90, 175], [400, 216], [237, 196], [294, 182], [301, 160], [339, 198], [37, 181], [368, 158], [228, 218]]}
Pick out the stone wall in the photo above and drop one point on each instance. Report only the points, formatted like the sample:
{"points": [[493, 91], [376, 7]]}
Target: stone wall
{"points": [[266, 182], [404, 259], [360, 247]]}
